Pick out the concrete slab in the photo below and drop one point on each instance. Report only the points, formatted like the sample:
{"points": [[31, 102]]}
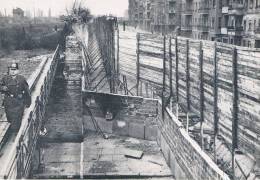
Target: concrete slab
{"points": [[112, 161], [61, 152], [136, 130], [100, 158], [59, 170]]}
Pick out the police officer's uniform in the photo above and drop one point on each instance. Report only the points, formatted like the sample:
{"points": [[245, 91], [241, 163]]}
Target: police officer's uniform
{"points": [[15, 99]]}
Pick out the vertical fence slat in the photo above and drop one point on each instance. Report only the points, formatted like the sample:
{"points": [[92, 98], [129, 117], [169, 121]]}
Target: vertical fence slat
{"points": [[170, 65], [235, 110], [177, 76], [170, 68], [164, 76], [215, 100], [187, 84], [137, 63], [201, 95]]}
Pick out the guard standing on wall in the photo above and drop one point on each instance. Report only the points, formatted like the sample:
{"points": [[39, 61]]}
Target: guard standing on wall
{"points": [[16, 96]]}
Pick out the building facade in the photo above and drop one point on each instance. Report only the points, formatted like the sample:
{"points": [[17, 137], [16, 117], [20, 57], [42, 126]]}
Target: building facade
{"points": [[229, 21]]}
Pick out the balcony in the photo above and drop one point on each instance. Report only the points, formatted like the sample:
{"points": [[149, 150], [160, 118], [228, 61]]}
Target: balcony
{"points": [[257, 30], [172, 21], [204, 9], [236, 9], [186, 27], [187, 10], [203, 28], [235, 31]]}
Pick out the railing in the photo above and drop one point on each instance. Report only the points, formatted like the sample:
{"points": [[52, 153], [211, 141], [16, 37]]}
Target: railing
{"points": [[19, 157], [235, 28], [204, 9], [187, 9], [186, 27], [257, 30], [203, 28], [236, 6]]}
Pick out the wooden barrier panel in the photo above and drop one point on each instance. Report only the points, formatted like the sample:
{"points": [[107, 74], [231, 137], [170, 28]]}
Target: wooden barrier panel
{"points": [[218, 84]]}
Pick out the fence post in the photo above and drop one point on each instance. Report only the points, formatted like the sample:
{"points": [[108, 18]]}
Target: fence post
{"points": [[177, 77], [215, 100], [170, 67], [138, 64], [118, 46], [201, 96], [187, 84], [164, 75], [235, 109], [146, 89]]}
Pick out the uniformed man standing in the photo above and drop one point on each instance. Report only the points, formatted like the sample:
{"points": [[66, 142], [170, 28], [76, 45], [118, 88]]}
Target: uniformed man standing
{"points": [[16, 96]]}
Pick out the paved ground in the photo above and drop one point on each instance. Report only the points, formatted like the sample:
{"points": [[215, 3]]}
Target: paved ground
{"points": [[96, 157]]}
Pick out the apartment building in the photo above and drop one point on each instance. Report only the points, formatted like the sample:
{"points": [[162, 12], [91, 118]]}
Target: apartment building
{"points": [[200, 19], [155, 15], [229, 21]]}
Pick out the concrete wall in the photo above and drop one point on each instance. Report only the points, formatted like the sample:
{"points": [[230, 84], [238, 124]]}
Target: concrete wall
{"points": [[132, 116]]}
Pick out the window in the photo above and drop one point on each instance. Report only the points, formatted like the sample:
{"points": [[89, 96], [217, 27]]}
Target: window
{"points": [[213, 22], [251, 4], [249, 26], [219, 22], [246, 4], [214, 3], [245, 25], [244, 42]]}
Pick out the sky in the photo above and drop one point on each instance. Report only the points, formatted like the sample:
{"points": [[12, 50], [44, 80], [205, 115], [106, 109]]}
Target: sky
{"points": [[97, 7]]}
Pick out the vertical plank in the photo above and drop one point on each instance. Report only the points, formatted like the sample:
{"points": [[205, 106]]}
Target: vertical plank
{"points": [[164, 76], [164, 62], [117, 54], [215, 99], [235, 109], [187, 76], [138, 63], [177, 76], [170, 68], [187, 84], [201, 95], [170, 65], [146, 90]]}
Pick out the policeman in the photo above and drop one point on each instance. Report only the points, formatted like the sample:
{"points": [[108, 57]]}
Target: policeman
{"points": [[16, 96]]}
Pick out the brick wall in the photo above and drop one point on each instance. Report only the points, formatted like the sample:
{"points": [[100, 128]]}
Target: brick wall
{"points": [[184, 156]]}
